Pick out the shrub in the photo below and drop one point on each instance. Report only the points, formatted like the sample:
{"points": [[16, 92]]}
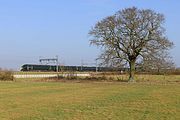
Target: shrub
{"points": [[6, 75]]}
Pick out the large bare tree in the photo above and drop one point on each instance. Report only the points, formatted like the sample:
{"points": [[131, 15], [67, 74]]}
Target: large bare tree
{"points": [[130, 35]]}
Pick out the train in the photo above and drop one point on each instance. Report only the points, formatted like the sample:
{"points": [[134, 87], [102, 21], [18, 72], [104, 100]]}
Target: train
{"points": [[53, 68]]}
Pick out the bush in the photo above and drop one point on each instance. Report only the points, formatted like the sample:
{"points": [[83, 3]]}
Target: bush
{"points": [[6, 76]]}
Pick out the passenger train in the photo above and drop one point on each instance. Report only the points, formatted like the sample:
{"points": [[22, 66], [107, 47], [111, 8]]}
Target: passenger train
{"points": [[53, 68]]}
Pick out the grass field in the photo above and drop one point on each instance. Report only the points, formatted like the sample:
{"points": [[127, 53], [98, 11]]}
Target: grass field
{"points": [[89, 101]]}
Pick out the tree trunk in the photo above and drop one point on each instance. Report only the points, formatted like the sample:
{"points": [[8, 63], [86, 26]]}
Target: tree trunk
{"points": [[132, 70]]}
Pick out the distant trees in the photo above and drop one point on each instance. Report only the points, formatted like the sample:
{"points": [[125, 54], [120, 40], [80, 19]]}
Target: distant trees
{"points": [[131, 35], [162, 63]]}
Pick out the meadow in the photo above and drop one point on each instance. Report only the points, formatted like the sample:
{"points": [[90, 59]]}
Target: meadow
{"points": [[89, 100]]}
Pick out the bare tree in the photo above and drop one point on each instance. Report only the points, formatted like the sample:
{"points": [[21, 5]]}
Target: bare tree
{"points": [[129, 35]]}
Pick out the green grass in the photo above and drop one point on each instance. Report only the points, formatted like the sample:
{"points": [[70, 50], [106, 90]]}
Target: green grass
{"points": [[89, 101]]}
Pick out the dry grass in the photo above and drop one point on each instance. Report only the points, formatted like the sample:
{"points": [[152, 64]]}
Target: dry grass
{"points": [[89, 101]]}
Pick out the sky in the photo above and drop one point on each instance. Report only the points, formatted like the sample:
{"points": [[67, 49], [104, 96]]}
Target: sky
{"points": [[33, 29]]}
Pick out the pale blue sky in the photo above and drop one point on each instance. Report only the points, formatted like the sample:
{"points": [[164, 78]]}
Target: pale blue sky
{"points": [[33, 28]]}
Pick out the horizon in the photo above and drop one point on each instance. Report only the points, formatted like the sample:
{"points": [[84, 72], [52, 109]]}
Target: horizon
{"points": [[43, 29]]}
